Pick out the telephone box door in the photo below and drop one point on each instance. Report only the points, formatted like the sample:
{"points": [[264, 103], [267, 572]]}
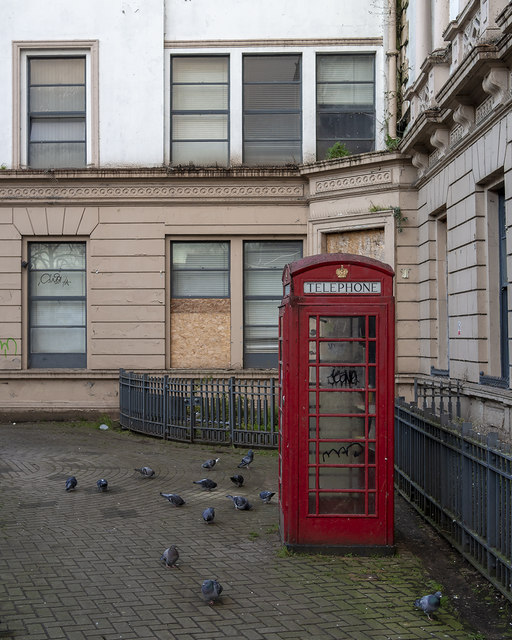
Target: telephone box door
{"points": [[343, 469]]}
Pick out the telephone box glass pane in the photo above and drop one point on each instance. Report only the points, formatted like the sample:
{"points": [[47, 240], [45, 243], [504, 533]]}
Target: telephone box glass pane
{"points": [[371, 503], [335, 453], [344, 402], [340, 427], [343, 327], [342, 503], [342, 478], [312, 327], [341, 377], [312, 376], [312, 427], [312, 351], [349, 352]]}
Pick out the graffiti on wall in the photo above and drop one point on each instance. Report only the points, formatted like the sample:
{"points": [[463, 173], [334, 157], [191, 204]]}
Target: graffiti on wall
{"points": [[7, 346]]}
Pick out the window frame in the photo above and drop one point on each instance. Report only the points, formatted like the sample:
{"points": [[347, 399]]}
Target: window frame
{"points": [[226, 111], [22, 51], [48, 359], [347, 110], [173, 271], [289, 111], [266, 360]]}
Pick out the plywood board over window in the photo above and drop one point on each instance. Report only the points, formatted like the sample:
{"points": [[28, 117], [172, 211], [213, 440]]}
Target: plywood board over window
{"points": [[200, 333], [363, 242]]}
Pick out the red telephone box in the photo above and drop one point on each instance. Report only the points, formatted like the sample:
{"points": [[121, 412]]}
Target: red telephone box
{"points": [[336, 369]]}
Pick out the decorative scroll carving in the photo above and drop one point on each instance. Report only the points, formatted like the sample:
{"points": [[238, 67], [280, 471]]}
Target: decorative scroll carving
{"points": [[420, 161], [440, 139], [464, 115], [353, 182], [150, 192], [495, 84]]}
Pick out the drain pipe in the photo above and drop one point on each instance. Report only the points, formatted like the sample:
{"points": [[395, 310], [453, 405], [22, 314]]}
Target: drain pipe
{"points": [[392, 55]]}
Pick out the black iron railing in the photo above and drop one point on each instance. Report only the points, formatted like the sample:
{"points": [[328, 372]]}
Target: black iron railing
{"points": [[461, 482], [221, 411]]}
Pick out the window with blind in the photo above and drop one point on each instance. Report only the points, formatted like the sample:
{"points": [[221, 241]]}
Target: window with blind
{"points": [[56, 112], [199, 110], [272, 109], [345, 98], [263, 290], [57, 304], [200, 270]]}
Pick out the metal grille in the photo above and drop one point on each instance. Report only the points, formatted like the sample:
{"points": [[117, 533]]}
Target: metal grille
{"points": [[223, 411], [461, 483]]}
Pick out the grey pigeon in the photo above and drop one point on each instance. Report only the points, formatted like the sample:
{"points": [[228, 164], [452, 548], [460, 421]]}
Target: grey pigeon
{"points": [[209, 515], [429, 604], [102, 484], [71, 483], [146, 472], [170, 557], [173, 498], [206, 483], [266, 496], [209, 464], [237, 480], [247, 459], [240, 503], [211, 591]]}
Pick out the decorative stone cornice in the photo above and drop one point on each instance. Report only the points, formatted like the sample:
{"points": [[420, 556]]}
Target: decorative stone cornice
{"points": [[353, 181], [148, 192], [495, 83]]}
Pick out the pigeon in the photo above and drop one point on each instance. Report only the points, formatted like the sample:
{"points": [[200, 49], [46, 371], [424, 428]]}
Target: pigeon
{"points": [[209, 464], [247, 459], [170, 557], [206, 483], [238, 480], [209, 515], [146, 472], [211, 591], [102, 484], [240, 503], [71, 483], [429, 604], [266, 496], [173, 498]]}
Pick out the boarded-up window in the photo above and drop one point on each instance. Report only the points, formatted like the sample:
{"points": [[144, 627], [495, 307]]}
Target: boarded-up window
{"points": [[364, 242]]}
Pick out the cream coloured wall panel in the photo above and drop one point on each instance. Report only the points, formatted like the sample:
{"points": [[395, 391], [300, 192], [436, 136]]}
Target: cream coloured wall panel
{"points": [[127, 330], [131, 248]]}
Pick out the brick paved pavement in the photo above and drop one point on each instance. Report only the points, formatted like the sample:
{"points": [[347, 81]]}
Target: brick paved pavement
{"points": [[85, 565]]}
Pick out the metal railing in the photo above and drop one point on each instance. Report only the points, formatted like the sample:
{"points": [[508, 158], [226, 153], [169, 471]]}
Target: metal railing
{"points": [[442, 397], [227, 411], [461, 483]]}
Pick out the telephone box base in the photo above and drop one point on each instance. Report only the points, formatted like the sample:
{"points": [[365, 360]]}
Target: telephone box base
{"points": [[343, 550]]}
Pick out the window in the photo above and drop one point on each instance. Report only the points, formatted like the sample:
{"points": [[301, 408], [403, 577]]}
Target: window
{"points": [[56, 112], [497, 374], [57, 299], [200, 270], [263, 290], [345, 98], [272, 120], [199, 110], [442, 312]]}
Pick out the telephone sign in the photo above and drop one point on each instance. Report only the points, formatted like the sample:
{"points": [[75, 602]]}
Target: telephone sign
{"points": [[336, 370]]}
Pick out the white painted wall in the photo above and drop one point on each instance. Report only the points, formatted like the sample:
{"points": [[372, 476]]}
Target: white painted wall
{"points": [[134, 65], [266, 19], [130, 35]]}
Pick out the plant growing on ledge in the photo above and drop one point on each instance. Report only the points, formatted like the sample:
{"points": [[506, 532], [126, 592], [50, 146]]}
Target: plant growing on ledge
{"points": [[338, 150], [397, 215]]}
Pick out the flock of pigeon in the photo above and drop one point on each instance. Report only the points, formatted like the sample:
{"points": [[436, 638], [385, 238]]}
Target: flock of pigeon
{"points": [[211, 589]]}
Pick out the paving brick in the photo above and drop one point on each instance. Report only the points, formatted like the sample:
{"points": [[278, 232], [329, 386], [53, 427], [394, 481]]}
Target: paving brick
{"points": [[85, 566]]}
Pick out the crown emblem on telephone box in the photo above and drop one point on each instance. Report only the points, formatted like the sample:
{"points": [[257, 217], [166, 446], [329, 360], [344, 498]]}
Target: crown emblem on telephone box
{"points": [[342, 272]]}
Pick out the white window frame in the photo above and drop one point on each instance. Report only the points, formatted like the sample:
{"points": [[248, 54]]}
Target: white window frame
{"points": [[24, 50]]}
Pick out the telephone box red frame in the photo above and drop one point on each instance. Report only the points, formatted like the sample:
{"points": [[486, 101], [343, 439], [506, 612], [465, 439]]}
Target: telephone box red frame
{"points": [[336, 414]]}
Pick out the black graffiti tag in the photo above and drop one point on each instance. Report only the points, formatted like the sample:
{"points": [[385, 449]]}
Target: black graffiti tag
{"points": [[343, 378], [53, 278]]}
